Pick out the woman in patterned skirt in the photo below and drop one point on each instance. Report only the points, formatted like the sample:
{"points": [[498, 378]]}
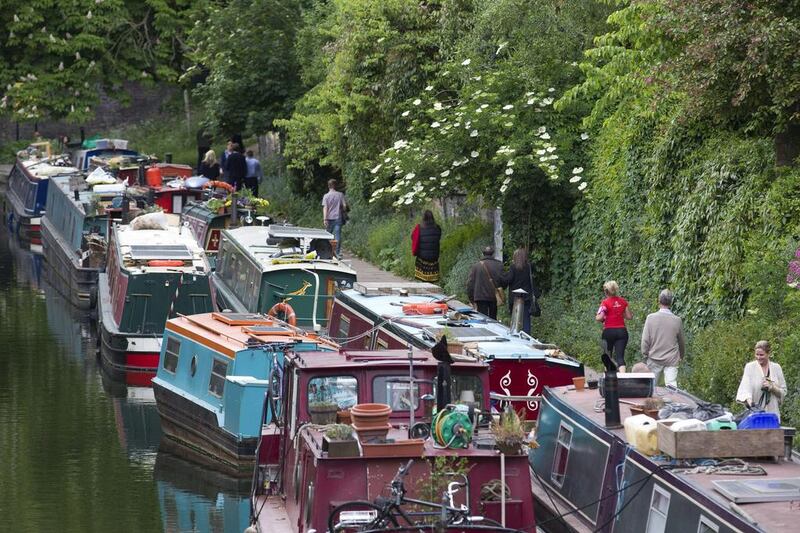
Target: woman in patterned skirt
{"points": [[425, 247]]}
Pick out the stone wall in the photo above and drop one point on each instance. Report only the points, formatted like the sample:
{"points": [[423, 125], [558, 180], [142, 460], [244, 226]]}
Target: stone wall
{"points": [[145, 103]]}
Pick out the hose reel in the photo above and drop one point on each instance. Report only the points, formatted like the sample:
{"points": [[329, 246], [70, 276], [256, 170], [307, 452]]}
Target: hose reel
{"points": [[452, 427]]}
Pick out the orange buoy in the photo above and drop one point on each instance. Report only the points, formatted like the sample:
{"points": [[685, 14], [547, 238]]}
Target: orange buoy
{"points": [[153, 177], [165, 263], [428, 308], [218, 185], [287, 310]]}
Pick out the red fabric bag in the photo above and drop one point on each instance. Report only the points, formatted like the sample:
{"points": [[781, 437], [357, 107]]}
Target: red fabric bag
{"points": [[415, 240]]}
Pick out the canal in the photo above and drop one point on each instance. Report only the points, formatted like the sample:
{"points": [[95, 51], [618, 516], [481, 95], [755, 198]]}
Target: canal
{"points": [[78, 451]]}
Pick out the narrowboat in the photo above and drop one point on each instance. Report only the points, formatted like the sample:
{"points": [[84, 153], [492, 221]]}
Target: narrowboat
{"points": [[381, 316], [213, 374], [303, 491], [151, 275], [207, 227], [597, 481], [26, 195], [280, 269]]}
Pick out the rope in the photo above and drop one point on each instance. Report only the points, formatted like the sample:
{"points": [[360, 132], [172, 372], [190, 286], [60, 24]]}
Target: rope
{"points": [[727, 467], [490, 491]]}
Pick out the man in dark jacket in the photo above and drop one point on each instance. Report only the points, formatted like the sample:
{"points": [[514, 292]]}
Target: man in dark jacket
{"points": [[236, 170], [485, 276]]}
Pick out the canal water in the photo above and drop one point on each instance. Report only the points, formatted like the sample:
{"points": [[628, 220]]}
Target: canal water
{"points": [[78, 451]]}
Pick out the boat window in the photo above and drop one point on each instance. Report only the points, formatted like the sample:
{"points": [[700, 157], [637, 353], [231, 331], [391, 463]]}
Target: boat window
{"points": [[468, 389], [344, 327], [395, 391], [343, 390], [659, 507], [216, 385], [561, 455], [707, 526], [382, 344], [171, 354]]}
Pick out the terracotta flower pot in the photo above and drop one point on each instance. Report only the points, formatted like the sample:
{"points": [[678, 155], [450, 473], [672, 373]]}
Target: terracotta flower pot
{"points": [[371, 420], [323, 413], [399, 448]]}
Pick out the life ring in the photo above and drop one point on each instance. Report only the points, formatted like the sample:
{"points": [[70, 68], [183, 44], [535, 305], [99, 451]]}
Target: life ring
{"points": [[165, 263], [430, 308], [218, 185], [288, 312]]}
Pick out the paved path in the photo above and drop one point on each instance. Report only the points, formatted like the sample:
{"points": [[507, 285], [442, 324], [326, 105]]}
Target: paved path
{"points": [[369, 272]]}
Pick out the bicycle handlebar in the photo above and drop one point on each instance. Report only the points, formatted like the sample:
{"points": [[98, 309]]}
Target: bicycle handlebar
{"points": [[401, 473]]}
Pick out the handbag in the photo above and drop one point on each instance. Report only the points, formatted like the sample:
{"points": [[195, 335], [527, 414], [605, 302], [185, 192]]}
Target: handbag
{"points": [[499, 294], [535, 309]]}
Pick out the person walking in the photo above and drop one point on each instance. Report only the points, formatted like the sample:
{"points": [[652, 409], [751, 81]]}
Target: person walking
{"points": [[209, 166], [663, 341], [236, 167], [763, 385], [425, 247], [204, 143], [613, 313], [223, 161], [485, 277], [334, 206], [520, 276], [254, 173]]}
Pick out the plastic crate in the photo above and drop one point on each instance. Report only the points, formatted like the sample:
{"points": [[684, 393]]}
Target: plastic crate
{"points": [[760, 421]]}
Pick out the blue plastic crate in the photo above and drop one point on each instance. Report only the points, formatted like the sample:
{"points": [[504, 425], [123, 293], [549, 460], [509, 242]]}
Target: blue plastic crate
{"points": [[760, 421]]}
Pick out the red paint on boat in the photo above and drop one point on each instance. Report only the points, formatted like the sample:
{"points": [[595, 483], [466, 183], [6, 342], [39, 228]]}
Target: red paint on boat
{"points": [[140, 379], [142, 359]]}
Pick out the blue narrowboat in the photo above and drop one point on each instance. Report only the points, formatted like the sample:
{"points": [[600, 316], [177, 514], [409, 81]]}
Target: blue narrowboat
{"points": [[213, 373]]}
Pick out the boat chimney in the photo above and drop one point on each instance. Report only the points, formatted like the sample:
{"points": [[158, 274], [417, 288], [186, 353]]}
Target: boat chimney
{"points": [[125, 206], [234, 210], [610, 390], [83, 135], [517, 310], [76, 194]]}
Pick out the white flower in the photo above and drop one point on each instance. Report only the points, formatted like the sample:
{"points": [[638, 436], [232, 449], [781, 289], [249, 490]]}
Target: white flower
{"points": [[417, 101], [429, 88], [78, 56], [387, 159], [405, 113], [89, 15], [575, 179], [541, 152], [551, 149], [61, 66], [509, 171], [473, 133], [543, 159], [479, 110], [531, 101], [432, 178], [474, 154], [544, 136], [510, 163], [399, 145], [443, 183], [456, 163], [584, 136], [52, 39], [16, 17], [476, 78], [457, 125], [554, 156], [466, 62], [507, 181], [508, 124], [503, 188], [409, 201], [435, 125], [508, 106], [500, 47], [409, 176], [484, 106], [582, 186], [531, 93], [551, 90], [577, 170], [437, 106], [541, 129], [445, 173]]}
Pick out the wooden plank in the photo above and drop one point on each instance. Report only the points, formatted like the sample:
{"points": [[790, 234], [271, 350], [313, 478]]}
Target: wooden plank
{"points": [[372, 288], [725, 443]]}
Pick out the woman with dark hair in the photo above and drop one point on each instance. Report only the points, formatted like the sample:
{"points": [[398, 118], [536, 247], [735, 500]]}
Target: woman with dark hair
{"points": [[425, 247], [520, 276]]}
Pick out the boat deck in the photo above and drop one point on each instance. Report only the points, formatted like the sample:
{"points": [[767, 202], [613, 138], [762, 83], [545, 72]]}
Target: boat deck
{"points": [[272, 515], [770, 516]]}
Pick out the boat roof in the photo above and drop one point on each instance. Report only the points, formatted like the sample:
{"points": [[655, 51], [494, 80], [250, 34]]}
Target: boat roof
{"points": [[229, 333], [138, 247], [263, 244], [378, 359], [47, 167], [770, 516], [486, 336]]}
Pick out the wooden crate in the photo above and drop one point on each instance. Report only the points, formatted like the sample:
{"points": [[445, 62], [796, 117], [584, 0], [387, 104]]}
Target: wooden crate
{"points": [[737, 443]]}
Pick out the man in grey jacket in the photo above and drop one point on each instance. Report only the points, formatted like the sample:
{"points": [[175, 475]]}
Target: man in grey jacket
{"points": [[663, 341], [484, 277]]}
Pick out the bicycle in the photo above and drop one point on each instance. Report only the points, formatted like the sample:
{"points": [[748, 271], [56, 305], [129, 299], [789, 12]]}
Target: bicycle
{"points": [[384, 514]]}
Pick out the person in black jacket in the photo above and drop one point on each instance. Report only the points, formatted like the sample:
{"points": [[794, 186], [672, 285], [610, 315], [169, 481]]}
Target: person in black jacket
{"points": [[425, 246], [520, 276], [485, 277], [236, 168]]}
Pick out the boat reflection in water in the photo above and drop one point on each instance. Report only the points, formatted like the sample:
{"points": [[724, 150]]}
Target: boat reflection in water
{"points": [[198, 499], [28, 261]]}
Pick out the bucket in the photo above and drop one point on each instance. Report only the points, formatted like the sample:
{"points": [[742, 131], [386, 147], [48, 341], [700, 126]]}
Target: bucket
{"points": [[153, 177], [640, 431]]}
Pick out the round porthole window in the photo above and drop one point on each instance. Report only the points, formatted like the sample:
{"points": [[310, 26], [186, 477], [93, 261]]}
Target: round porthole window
{"points": [[193, 369]]}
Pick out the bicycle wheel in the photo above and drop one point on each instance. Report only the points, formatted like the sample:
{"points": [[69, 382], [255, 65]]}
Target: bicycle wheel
{"points": [[275, 395], [359, 516]]}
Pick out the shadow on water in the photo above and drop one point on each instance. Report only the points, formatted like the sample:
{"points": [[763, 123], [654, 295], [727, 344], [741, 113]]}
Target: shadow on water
{"points": [[79, 452]]}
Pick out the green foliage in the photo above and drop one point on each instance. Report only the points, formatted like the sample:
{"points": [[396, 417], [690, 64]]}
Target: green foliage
{"points": [[161, 136], [443, 470], [8, 151]]}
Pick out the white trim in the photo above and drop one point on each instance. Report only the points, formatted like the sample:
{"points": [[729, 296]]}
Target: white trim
{"points": [[571, 429], [705, 521], [661, 492]]}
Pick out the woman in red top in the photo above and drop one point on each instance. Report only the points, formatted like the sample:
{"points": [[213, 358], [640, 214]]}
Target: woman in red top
{"points": [[613, 313]]}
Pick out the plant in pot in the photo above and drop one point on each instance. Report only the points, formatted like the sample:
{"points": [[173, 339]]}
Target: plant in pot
{"points": [[509, 432], [323, 412], [339, 441]]}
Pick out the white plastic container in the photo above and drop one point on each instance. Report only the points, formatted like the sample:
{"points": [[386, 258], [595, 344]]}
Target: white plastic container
{"points": [[691, 424], [640, 432]]}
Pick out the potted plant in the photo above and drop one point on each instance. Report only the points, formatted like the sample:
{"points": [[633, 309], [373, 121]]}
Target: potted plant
{"points": [[339, 441], [323, 412], [509, 432]]}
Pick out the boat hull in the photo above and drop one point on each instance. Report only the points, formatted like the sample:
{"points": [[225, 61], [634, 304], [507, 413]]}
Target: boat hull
{"points": [[78, 284], [195, 428]]}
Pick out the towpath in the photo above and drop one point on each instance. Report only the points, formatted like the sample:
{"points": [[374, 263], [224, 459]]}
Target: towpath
{"points": [[367, 272], [5, 170]]}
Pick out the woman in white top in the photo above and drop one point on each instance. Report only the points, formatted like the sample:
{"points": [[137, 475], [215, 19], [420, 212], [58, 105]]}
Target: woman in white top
{"points": [[763, 385]]}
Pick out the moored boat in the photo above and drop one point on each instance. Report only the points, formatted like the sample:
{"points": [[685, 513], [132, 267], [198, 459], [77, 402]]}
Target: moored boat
{"points": [[207, 227], [281, 269], [213, 374], [151, 275], [306, 489], [597, 481], [380, 316]]}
